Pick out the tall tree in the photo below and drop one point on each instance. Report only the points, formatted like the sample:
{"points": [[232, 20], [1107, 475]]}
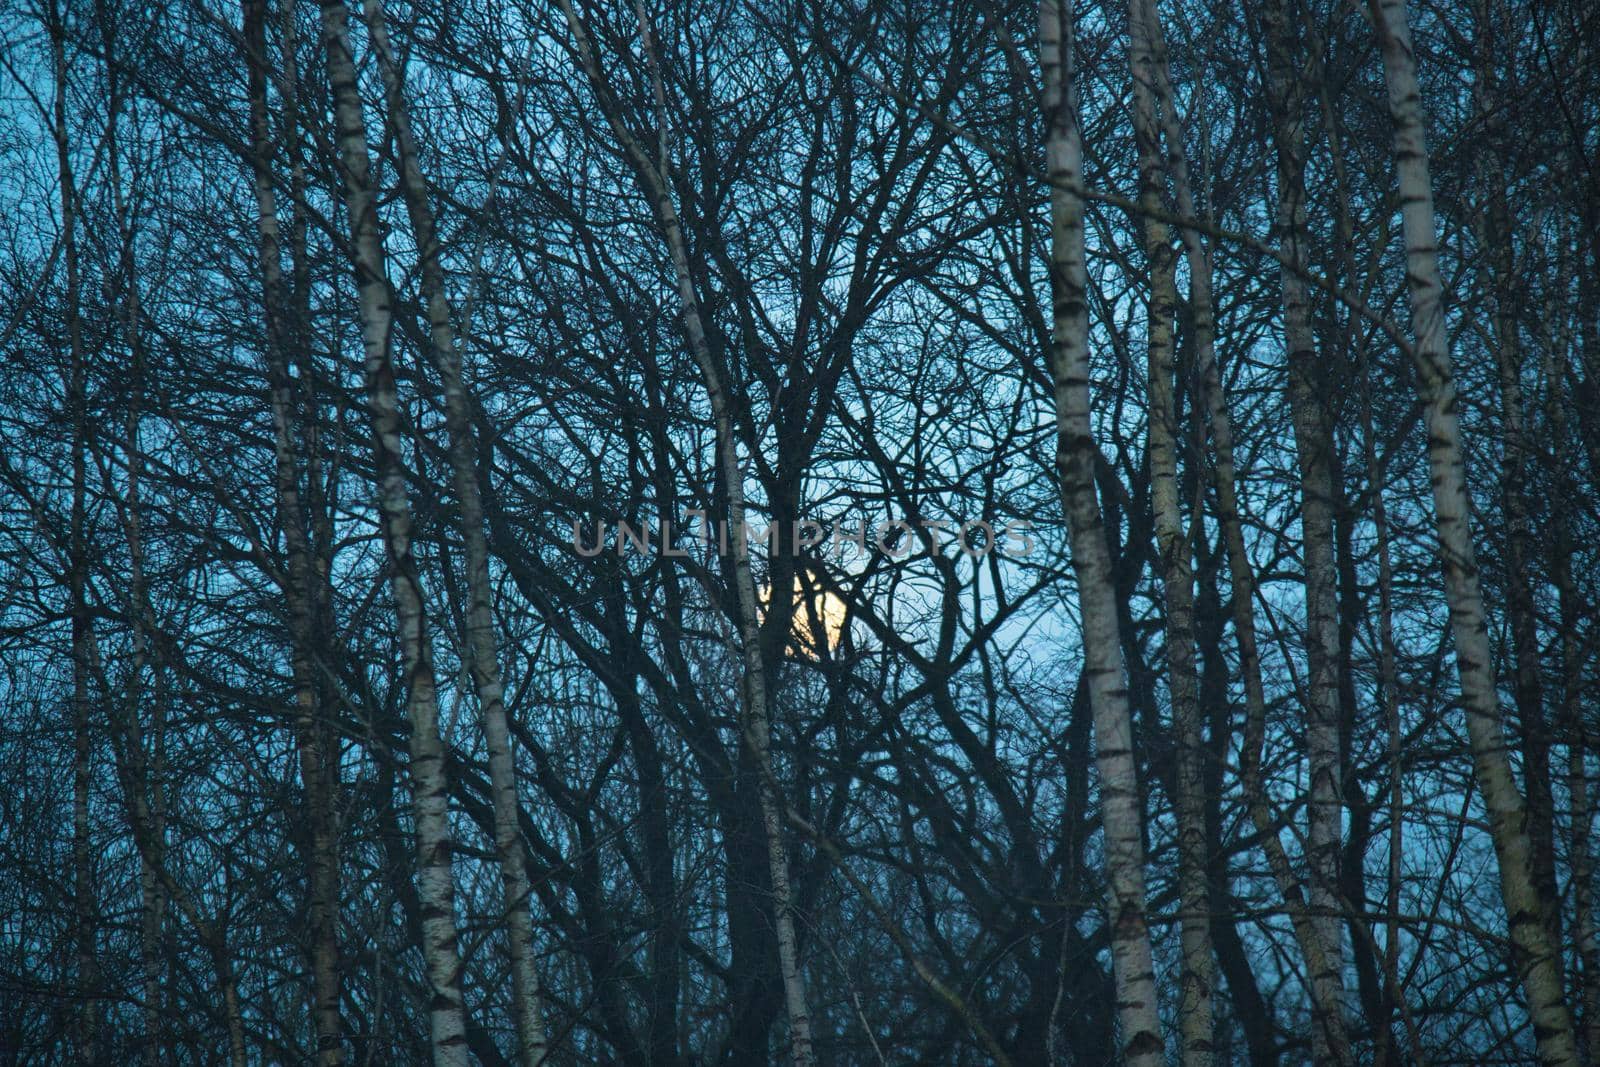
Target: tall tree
{"points": [[1195, 1013], [1068, 359], [479, 630], [1536, 958], [430, 798], [1309, 382]]}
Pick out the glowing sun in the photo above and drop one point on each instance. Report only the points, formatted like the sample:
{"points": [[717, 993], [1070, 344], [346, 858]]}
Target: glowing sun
{"points": [[817, 614]]}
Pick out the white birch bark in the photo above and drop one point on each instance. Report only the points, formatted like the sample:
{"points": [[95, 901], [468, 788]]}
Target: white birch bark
{"points": [[1195, 1011], [1313, 437], [1536, 958], [1140, 1042], [1326, 1018], [516, 890], [429, 789], [1389, 695], [1493, 228]]}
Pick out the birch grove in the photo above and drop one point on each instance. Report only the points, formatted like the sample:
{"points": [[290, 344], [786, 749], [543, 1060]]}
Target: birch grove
{"points": [[734, 533]]}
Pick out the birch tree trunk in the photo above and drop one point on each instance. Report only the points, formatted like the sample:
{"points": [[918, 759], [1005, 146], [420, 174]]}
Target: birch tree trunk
{"points": [[1313, 438], [654, 176], [1068, 358], [1515, 471], [516, 891], [1327, 1020], [316, 748], [1493, 229], [1536, 959], [429, 789], [152, 896], [1195, 1012]]}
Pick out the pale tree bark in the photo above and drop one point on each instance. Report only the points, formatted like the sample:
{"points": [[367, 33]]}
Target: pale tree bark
{"points": [[316, 746], [1313, 436], [1196, 1025], [1536, 958], [654, 176], [1385, 1048], [1520, 552], [1068, 358], [429, 787], [1327, 1020], [1493, 229], [1389, 696], [516, 890]]}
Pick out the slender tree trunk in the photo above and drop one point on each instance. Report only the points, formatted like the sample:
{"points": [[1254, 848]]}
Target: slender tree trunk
{"points": [[151, 892], [1068, 357], [232, 1014], [1253, 1011], [1515, 470], [1536, 958], [1581, 811], [655, 179], [1327, 1019], [1385, 1048], [1314, 452], [315, 745], [482, 653], [1195, 1014], [430, 791], [1494, 232]]}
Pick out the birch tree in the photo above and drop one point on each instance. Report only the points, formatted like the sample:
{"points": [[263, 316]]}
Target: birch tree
{"points": [[1068, 358], [755, 688], [430, 787], [1537, 961], [479, 629], [1308, 389], [783, 265], [1195, 1021], [78, 609]]}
